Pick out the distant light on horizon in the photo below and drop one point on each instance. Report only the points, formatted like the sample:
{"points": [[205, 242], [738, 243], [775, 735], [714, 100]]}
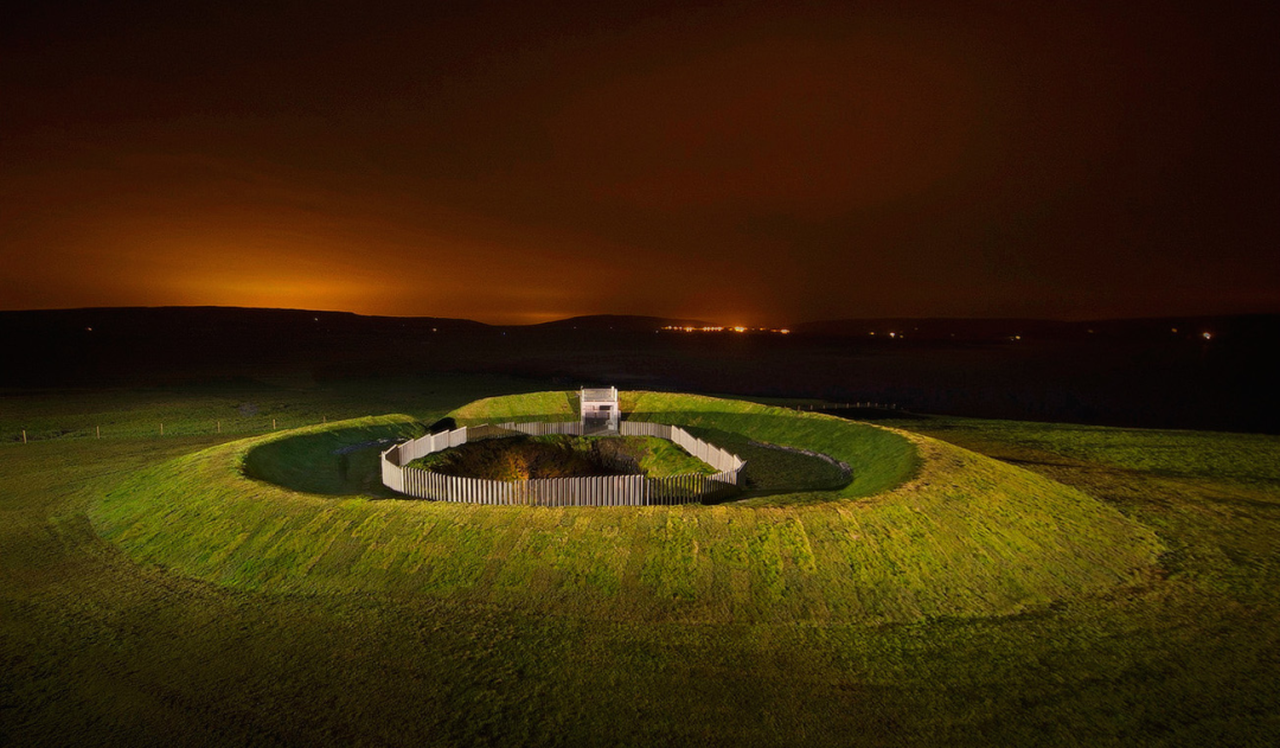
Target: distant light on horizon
{"points": [[722, 328]]}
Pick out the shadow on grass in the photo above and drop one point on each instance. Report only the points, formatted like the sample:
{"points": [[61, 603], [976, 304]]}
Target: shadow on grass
{"points": [[772, 469], [801, 453], [341, 462]]}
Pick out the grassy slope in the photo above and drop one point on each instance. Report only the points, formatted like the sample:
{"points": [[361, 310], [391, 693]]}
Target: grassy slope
{"points": [[1242, 459], [660, 458], [534, 406], [97, 649], [970, 536], [1211, 484]]}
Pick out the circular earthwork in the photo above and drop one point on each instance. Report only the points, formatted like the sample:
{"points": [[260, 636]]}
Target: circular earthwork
{"points": [[921, 528]]}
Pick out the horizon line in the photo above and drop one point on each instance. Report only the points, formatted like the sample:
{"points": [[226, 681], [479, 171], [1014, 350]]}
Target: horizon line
{"points": [[662, 318]]}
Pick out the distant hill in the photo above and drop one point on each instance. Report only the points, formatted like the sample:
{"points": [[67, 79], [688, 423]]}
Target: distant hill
{"points": [[617, 323], [198, 319], [995, 329], [153, 345], [195, 321]]}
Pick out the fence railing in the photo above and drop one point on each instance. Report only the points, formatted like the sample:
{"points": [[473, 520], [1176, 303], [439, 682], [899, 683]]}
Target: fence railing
{"points": [[43, 430], [845, 406], [600, 490]]}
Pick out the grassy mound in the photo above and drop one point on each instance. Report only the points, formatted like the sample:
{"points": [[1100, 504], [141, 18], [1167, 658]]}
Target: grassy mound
{"points": [[967, 536], [560, 456]]}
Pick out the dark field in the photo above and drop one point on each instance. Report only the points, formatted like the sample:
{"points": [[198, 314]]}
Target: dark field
{"points": [[1123, 373]]}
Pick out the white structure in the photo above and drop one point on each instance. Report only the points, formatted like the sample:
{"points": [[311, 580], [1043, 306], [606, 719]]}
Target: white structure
{"points": [[599, 410]]}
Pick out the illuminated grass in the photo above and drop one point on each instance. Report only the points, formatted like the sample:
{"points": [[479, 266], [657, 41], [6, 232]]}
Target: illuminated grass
{"points": [[534, 406], [969, 536], [98, 649], [1247, 459]]}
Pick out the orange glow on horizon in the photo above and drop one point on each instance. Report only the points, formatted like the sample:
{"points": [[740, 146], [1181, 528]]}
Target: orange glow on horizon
{"points": [[758, 165]]}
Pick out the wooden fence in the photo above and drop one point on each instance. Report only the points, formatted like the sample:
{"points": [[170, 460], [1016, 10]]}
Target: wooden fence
{"points": [[602, 490], [722, 460]]}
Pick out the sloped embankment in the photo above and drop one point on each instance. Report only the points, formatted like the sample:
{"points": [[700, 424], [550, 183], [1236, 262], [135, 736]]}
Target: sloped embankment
{"points": [[923, 529]]}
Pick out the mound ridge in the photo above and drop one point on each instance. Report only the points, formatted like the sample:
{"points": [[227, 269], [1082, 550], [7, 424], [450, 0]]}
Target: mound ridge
{"points": [[924, 529]]}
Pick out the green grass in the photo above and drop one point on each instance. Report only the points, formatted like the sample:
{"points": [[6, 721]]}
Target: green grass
{"points": [[971, 536], [1209, 484], [97, 648], [773, 470], [532, 407], [660, 458], [1243, 459]]}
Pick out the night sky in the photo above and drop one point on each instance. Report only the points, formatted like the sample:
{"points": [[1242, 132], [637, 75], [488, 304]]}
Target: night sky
{"points": [[743, 163]]}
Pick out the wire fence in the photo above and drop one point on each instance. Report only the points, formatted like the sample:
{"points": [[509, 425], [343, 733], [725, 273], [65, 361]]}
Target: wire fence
{"points": [[158, 428], [844, 406]]}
